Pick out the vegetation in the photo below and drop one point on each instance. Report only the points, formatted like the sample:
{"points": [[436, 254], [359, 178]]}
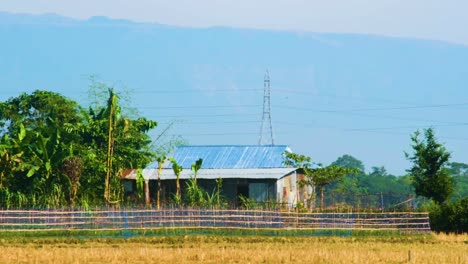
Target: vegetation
{"points": [[451, 217], [431, 177], [235, 249], [55, 153], [317, 177], [177, 170], [429, 174], [161, 159]]}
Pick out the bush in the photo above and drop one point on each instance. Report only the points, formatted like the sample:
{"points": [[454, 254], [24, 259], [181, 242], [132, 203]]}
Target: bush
{"points": [[450, 217]]}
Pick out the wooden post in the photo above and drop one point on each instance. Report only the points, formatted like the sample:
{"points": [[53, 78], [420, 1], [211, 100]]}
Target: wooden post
{"points": [[147, 193]]}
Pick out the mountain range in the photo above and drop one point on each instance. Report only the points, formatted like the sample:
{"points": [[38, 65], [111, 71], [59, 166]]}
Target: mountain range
{"points": [[331, 94]]}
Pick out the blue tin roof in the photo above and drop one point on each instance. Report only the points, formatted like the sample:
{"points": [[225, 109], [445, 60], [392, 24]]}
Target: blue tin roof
{"points": [[230, 156]]}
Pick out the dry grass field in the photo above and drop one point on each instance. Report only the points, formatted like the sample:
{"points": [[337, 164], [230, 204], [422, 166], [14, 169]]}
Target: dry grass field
{"points": [[248, 249]]}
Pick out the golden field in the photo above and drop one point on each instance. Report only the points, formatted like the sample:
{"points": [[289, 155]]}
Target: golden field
{"points": [[248, 249]]}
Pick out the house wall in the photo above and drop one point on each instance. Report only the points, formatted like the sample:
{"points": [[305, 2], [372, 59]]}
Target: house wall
{"points": [[288, 191], [258, 190], [285, 191]]}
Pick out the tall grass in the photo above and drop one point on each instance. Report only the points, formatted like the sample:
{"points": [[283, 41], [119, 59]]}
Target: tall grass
{"points": [[236, 249]]}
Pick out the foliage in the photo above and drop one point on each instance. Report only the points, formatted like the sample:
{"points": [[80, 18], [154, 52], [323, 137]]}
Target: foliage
{"points": [[246, 202], [53, 153], [430, 176], [461, 187], [196, 166], [219, 186], [160, 159], [177, 170], [450, 217], [458, 169], [196, 196], [348, 161], [37, 141], [73, 168], [297, 160], [140, 182], [318, 177]]}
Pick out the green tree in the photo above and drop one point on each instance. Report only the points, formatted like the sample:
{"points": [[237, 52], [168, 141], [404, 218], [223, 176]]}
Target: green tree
{"points": [[379, 171], [117, 142], [321, 177], [37, 127], [53, 152], [349, 187], [430, 175], [458, 169], [348, 161], [11, 152], [317, 177]]}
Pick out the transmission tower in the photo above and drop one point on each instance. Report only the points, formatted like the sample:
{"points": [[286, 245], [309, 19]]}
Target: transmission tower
{"points": [[266, 128]]}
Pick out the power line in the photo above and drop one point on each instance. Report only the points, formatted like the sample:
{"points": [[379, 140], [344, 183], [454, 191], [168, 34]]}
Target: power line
{"points": [[406, 134], [220, 134], [215, 115], [402, 127], [198, 106], [376, 116], [407, 107], [372, 109]]}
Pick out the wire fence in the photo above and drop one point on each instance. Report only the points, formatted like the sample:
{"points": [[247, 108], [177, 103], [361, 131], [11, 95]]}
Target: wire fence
{"points": [[131, 219], [380, 201]]}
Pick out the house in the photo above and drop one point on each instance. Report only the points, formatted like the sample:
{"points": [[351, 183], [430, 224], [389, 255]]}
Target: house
{"points": [[256, 172]]}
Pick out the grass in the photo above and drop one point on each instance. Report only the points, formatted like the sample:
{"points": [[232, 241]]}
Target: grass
{"points": [[369, 248], [182, 231]]}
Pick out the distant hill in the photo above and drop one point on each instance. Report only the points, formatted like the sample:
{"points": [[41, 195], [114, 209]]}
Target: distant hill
{"points": [[317, 79]]}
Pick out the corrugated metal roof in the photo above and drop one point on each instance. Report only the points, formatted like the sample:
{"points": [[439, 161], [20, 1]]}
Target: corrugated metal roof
{"points": [[230, 156], [168, 174]]}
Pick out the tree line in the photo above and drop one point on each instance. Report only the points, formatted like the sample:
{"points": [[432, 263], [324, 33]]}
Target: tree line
{"points": [[441, 186], [55, 152]]}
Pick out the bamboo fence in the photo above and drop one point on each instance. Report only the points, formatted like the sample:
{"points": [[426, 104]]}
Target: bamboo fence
{"points": [[132, 219]]}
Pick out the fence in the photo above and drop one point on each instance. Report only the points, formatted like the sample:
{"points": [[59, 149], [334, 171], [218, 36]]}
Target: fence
{"points": [[383, 201], [100, 220]]}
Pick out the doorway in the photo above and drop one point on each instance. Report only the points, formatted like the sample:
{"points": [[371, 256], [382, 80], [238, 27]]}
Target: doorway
{"points": [[242, 189]]}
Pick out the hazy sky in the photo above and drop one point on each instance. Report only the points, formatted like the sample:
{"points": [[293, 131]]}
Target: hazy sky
{"points": [[432, 19], [348, 80]]}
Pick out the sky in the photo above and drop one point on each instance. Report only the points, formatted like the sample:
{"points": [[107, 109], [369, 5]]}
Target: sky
{"points": [[443, 20], [385, 130]]}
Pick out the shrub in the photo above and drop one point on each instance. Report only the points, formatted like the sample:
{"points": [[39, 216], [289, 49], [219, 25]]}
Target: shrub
{"points": [[450, 217]]}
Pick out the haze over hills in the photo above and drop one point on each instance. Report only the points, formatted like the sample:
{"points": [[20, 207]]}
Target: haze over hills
{"points": [[332, 94]]}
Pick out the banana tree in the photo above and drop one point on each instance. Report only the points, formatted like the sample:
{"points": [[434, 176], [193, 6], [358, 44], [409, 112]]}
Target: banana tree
{"points": [[177, 170], [196, 167], [11, 155], [160, 160], [45, 152]]}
